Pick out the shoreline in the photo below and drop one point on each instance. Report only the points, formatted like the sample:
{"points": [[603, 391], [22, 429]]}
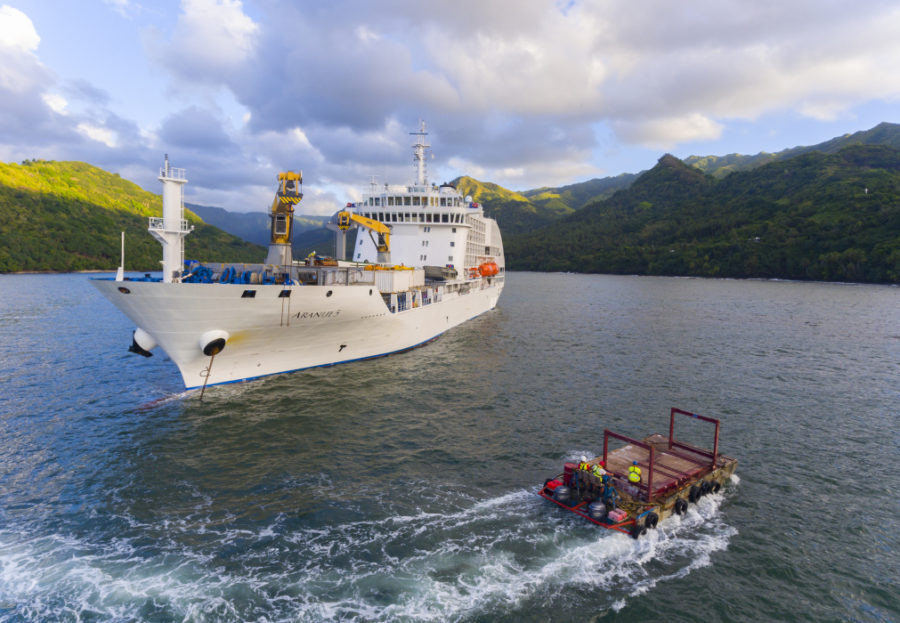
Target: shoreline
{"points": [[540, 272]]}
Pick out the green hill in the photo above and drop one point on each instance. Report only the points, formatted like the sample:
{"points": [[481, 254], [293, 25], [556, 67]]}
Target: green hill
{"points": [[832, 217], [720, 166], [514, 213], [251, 226], [67, 216], [575, 196]]}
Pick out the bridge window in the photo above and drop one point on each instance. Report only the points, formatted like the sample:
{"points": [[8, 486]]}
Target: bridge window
{"points": [[443, 202], [407, 201], [445, 218]]}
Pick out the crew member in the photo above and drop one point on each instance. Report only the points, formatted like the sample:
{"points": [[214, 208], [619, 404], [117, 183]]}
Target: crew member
{"points": [[634, 473], [598, 469]]}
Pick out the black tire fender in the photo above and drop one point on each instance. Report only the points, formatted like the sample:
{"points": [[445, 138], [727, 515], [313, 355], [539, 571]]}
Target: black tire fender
{"points": [[637, 530], [694, 494], [651, 519]]}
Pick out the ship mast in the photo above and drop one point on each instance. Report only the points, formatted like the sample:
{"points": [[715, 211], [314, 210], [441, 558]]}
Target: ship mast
{"points": [[419, 156], [171, 229]]}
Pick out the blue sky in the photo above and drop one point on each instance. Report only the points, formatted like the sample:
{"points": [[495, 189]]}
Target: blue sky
{"points": [[523, 93]]}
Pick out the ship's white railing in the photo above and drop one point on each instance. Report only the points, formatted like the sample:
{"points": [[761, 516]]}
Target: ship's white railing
{"points": [[172, 173], [159, 224]]}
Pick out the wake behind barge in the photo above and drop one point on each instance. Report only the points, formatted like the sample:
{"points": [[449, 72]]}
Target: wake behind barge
{"points": [[673, 474]]}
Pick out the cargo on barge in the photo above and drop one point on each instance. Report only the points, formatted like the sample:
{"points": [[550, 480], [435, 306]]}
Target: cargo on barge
{"points": [[632, 488]]}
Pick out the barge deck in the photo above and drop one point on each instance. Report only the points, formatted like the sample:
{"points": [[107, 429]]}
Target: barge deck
{"points": [[671, 475]]}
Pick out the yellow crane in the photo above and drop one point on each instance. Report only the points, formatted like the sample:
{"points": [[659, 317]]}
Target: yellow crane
{"points": [[382, 244], [288, 195]]}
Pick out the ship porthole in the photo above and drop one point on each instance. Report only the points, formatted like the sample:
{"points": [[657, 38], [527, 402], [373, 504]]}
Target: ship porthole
{"points": [[328, 293], [124, 290], [370, 291]]}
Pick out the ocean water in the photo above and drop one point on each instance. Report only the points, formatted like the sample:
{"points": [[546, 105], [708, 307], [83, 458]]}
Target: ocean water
{"points": [[403, 488]]}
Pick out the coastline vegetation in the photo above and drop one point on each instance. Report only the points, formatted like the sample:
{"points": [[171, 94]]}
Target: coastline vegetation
{"points": [[67, 216]]}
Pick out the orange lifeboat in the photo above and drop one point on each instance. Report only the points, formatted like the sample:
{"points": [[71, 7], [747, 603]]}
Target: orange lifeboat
{"points": [[488, 269]]}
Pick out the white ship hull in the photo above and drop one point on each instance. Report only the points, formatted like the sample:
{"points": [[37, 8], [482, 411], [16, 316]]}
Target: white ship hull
{"points": [[270, 333], [429, 261]]}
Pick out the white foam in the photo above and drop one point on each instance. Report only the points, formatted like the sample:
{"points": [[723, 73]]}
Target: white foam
{"points": [[486, 557]]}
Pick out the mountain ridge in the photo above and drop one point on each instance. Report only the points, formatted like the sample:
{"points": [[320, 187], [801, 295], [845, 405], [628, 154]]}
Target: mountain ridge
{"points": [[816, 216], [884, 133]]}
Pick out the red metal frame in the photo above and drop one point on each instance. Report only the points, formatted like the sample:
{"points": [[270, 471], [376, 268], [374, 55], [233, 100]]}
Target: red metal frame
{"points": [[676, 448], [673, 443], [577, 510]]}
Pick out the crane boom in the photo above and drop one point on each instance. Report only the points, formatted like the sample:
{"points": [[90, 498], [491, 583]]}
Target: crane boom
{"points": [[382, 244]]}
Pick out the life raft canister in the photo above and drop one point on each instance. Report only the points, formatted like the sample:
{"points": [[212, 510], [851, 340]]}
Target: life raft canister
{"points": [[488, 269]]}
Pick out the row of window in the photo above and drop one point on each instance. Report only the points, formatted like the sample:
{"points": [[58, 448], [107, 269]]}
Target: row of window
{"points": [[407, 217], [415, 200], [422, 258]]}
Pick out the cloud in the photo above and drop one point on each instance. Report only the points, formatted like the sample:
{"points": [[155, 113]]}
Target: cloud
{"points": [[521, 92], [666, 133], [21, 73], [196, 129], [511, 84], [210, 40], [17, 30], [97, 133]]}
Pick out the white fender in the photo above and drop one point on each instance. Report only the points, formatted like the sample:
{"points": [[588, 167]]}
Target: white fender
{"points": [[144, 339]]}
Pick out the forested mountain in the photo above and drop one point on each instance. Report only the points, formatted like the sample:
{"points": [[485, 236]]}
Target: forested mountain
{"points": [[66, 216], [514, 212], [720, 166], [576, 196], [521, 212], [251, 226], [833, 217]]}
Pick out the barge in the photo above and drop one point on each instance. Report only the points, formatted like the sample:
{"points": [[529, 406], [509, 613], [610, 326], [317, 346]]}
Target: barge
{"points": [[633, 487]]}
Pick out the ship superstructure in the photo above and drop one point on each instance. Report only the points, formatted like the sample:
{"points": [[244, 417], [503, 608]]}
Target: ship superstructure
{"points": [[429, 260], [431, 225]]}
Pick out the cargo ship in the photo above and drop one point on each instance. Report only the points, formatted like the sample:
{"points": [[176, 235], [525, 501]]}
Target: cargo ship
{"points": [[632, 488], [425, 259]]}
